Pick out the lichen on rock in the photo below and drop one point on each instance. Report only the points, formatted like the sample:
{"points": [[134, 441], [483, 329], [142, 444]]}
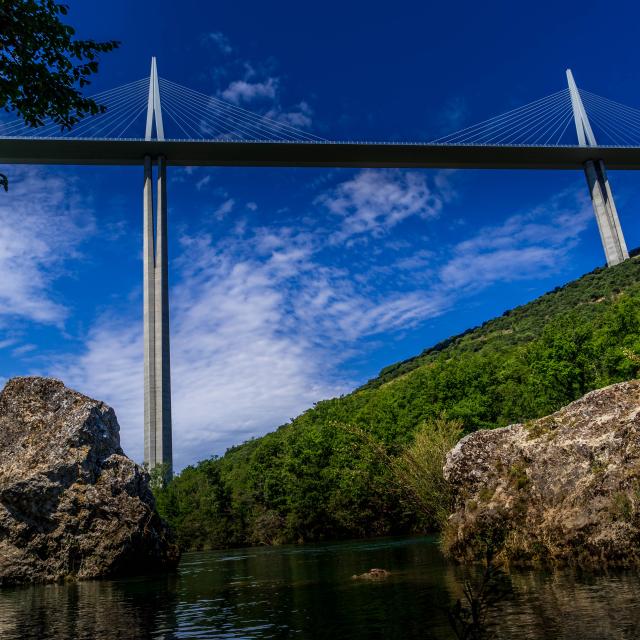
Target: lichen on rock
{"points": [[72, 505], [561, 489]]}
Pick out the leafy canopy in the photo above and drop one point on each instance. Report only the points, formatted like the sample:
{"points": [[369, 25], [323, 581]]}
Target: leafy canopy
{"points": [[42, 65]]}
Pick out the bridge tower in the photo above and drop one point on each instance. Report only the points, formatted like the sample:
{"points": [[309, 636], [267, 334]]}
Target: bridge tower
{"points": [[615, 248], [157, 369]]}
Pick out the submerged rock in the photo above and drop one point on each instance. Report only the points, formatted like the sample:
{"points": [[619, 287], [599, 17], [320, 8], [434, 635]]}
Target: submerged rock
{"points": [[72, 505], [564, 488], [372, 574]]}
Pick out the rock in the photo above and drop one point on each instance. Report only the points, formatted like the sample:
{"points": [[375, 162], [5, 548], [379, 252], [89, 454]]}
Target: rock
{"points": [[561, 489], [72, 505], [372, 574]]}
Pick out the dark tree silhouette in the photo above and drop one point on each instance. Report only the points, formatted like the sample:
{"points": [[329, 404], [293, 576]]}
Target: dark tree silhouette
{"points": [[43, 67]]}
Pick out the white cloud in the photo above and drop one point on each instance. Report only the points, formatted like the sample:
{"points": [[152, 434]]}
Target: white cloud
{"points": [[256, 86], [339, 311], [224, 209], [418, 260], [220, 41], [244, 91], [299, 116], [374, 201], [527, 245], [203, 182], [23, 349], [42, 223]]}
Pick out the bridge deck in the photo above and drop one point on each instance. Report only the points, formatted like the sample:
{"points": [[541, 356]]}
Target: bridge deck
{"points": [[309, 154]]}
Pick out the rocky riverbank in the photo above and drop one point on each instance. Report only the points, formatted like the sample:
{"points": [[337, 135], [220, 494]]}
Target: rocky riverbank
{"points": [[72, 505], [561, 489]]}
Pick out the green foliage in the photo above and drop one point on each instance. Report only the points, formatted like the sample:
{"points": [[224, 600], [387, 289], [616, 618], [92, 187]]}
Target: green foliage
{"points": [[198, 508], [42, 66], [313, 479], [159, 476], [418, 469]]}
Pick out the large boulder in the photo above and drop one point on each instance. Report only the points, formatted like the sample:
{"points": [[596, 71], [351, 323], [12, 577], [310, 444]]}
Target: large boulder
{"points": [[564, 488], [72, 505]]}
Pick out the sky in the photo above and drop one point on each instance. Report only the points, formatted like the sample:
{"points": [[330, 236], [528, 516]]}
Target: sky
{"points": [[289, 286]]}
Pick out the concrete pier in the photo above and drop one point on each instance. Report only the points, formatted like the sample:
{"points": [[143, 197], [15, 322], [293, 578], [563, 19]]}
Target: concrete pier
{"points": [[615, 247], [162, 356], [157, 363], [148, 260]]}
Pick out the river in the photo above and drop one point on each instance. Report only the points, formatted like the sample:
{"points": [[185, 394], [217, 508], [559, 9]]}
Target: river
{"points": [[308, 592]]}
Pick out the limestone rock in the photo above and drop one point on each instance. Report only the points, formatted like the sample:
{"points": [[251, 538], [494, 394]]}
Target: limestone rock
{"points": [[72, 505], [564, 488]]}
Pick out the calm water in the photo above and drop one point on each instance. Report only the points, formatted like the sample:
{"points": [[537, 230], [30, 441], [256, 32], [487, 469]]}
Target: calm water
{"points": [[307, 592]]}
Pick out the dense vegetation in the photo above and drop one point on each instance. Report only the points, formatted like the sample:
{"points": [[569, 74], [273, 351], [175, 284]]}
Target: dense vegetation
{"points": [[330, 473]]}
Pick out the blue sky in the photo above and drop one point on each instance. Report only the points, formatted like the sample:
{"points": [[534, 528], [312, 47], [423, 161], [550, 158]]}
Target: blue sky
{"points": [[293, 285]]}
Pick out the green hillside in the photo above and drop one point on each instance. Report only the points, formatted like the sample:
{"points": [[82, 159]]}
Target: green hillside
{"points": [[313, 479]]}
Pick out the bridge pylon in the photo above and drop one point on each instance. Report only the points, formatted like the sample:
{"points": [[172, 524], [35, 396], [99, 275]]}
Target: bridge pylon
{"points": [[604, 206], [157, 361]]}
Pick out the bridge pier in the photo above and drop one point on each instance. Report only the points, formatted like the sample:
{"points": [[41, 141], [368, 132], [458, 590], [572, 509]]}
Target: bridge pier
{"points": [[615, 247], [157, 365]]}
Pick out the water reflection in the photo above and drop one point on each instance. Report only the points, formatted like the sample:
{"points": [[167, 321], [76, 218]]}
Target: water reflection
{"points": [[308, 592], [94, 609], [569, 605]]}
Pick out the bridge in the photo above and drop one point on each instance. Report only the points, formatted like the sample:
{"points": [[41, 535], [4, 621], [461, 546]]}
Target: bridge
{"points": [[553, 132]]}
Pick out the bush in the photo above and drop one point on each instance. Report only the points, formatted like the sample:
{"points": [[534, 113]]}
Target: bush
{"points": [[418, 469]]}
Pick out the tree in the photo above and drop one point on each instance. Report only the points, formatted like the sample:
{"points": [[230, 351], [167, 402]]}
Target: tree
{"points": [[43, 67]]}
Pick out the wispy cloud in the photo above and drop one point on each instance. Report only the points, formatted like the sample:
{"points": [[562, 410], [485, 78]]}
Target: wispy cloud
{"points": [[245, 91], [375, 201], [203, 182], [218, 40], [300, 116], [527, 245], [257, 86], [23, 349], [224, 209], [42, 223]]}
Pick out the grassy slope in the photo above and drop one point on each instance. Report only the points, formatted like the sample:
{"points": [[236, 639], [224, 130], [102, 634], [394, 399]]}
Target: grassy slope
{"points": [[310, 480]]}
